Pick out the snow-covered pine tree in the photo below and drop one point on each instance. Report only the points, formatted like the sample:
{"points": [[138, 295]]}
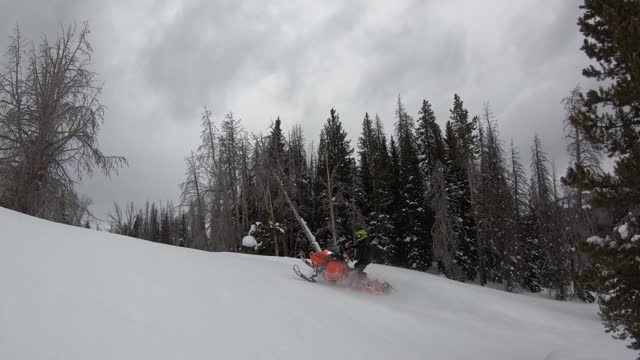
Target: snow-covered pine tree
{"points": [[154, 223], [146, 231], [415, 226], [460, 154], [334, 182], [274, 166], [384, 170], [398, 249], [366, 150], [265, 173], [165, 226], [610, 119], [183, 231], [375, 177], [429, 141]]}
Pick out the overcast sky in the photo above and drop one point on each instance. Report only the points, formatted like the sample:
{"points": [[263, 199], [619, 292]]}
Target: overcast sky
{"points": [[162, 61]]}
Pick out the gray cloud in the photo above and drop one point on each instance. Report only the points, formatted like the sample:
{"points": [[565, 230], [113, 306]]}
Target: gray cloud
{"points": [[162, 61]]}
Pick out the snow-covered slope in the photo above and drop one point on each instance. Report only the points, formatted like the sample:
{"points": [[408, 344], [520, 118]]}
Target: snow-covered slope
{"points": [[75, 294]]}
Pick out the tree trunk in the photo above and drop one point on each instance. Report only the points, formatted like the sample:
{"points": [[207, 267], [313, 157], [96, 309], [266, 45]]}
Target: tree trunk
{"points": [[481, 272], [332, 224], [272, 220]]}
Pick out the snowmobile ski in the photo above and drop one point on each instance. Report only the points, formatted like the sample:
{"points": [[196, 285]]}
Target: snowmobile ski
{"points": [[311, 278], [304, 259]]}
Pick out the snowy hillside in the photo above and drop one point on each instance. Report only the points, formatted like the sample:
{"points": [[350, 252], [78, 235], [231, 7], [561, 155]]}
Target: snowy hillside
{"points": [[75, 294]]}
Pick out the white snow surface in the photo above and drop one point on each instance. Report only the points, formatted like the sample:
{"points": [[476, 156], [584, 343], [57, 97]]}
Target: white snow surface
{"points": [[72, 293]]}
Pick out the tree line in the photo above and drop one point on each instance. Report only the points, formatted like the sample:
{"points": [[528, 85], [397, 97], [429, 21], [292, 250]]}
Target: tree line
{"points": [[454, 199]]}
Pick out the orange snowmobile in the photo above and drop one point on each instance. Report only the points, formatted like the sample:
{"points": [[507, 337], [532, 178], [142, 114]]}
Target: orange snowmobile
{"points": [[334, 268]]}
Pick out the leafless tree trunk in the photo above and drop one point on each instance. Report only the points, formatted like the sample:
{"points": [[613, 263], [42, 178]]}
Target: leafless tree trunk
{"points": [[332, 218], [445, 240], [272, 220], [244, 186]]}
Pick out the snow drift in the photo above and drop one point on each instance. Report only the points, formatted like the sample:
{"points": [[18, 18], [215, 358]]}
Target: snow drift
{"points": [[72, 293]]}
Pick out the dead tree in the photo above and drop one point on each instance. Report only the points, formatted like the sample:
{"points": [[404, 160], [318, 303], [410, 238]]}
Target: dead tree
{"points": [[50, 116]]}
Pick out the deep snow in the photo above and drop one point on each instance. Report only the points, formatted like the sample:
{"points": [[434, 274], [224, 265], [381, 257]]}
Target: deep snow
{"points": [[75, 294]]}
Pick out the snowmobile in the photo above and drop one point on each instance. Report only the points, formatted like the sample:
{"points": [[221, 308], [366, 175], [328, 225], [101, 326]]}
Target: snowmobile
{"points": [[334, 268]]}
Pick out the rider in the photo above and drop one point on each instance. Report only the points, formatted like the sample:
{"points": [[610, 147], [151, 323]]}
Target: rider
{"points": [[363, 254]]}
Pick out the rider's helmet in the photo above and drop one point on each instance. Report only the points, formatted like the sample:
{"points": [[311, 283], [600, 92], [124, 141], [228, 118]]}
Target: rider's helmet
{"points": [[361, 234]]}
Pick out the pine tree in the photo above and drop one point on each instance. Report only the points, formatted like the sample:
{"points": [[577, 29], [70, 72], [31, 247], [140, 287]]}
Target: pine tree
{"points": [[398, 248], [532, 253], [154, 223], [375, 178], [460, 142], [137, 225], [610, 119], [165, 227], [416, 220], [277, 146], [335, 169], [366, 150], [183, 237], [270, 169], [146, 230], [429, 139]]}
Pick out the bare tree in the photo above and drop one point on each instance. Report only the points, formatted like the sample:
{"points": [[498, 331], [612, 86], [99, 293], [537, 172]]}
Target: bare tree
{"points": [[225, 199], [192, 197], [116, 220], [79, 212], [50, 116]]}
